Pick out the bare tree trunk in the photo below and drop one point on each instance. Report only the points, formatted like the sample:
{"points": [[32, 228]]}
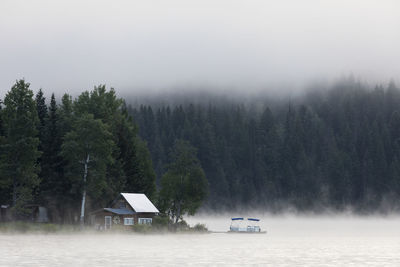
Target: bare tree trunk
{"points": [[178, 211], [14, 201], [82, 218]]}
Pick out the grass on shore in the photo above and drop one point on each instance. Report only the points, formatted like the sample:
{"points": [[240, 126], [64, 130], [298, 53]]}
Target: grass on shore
{"points": [[28, 227], [157, 227]]}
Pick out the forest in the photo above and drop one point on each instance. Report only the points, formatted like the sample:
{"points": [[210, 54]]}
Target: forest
{"points": [[335, 148], [47, 148]]}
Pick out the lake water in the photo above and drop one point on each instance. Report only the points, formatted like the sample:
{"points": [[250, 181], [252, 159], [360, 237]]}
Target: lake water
{"points": [[290, 241]]}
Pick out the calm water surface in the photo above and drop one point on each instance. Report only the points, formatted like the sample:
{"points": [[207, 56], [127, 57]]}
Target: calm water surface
{"points": [[289, 242]]}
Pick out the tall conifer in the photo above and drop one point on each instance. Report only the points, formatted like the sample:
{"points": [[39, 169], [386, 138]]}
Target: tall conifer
{"points": [[19, 159]]}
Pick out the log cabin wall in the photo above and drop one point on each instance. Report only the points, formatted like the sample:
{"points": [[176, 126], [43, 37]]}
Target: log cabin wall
{"points": [[98, 218]]}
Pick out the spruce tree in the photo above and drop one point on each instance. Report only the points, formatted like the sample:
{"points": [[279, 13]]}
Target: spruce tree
{"points": [[42, 114], [19, 166], [4, 190], [184, 186], [51, 185]]}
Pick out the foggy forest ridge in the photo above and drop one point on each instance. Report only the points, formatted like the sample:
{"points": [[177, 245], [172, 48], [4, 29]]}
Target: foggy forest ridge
{"points": [[208, 93], [255, 98], [334, 148], [318, 151]]}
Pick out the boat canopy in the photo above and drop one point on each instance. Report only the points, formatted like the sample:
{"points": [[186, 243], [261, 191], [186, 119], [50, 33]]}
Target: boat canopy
{"points": [[253, 219], [237, 219]]}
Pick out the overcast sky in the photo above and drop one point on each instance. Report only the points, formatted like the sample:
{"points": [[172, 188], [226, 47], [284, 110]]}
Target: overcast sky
{"points": [[68, 46]]}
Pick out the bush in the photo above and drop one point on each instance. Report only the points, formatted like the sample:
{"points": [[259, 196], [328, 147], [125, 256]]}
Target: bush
{"points": [[200, 228], [141, 228], [118, 227], [182, 226], [161, 222]]}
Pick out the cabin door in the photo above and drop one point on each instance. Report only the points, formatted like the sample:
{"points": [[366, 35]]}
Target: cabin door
{"points": [[107, 222]]}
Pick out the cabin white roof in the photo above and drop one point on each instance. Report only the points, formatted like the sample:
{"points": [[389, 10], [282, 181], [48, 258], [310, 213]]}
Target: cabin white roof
{"points": [[139, 202]]}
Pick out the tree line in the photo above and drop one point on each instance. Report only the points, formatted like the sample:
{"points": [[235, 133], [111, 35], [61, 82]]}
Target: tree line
{"points": [[69, 155], [335, 148], [81, 154]]}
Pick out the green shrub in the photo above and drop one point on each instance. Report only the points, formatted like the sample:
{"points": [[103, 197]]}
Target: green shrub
{"points": [[160, 222], [200, 228], [141, 228], [182, 226], [118, 227]]}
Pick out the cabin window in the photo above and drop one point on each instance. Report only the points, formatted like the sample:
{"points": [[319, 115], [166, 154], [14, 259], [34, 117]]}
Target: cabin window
{"points": [[128, 221], [122, 205], [145, 220]]}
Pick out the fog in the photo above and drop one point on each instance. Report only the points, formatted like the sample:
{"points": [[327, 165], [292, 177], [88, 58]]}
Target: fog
{"points": [[294, 224], [291, 241], [136, 46]]}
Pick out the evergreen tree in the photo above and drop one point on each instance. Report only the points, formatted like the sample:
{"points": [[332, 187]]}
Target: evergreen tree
{"points": [[42, 115], [337, 149], [20, 148], [136, 161], [53, 186], [4, 192], [1, 120], [183, 186]]}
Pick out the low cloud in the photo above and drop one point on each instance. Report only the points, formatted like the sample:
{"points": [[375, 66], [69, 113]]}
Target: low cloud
{"points": [[152, 45]]}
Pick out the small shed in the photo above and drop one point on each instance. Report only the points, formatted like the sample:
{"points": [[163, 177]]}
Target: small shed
{"points": [[38, 213], [5, 213], [128, 209]]}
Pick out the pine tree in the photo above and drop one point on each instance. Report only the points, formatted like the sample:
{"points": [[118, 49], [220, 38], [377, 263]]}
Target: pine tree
{"points": [[51, 187], [42, 114], [1, 119], [184, 185], [4, 190], [136, 161], [20, 148]]}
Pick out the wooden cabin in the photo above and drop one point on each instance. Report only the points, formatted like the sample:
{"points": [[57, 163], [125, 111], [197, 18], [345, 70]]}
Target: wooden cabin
{"points": [[38, 213], [127, 210]]}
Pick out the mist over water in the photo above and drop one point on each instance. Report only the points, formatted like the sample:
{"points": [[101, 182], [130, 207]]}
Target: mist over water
{"points": [[290, 241]]}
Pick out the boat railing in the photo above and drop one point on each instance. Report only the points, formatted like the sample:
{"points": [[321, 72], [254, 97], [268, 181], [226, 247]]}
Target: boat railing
{"points": [[236, 225]]}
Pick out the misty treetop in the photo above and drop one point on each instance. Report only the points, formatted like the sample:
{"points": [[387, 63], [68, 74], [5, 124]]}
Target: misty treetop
{"points": [[337, 148]]}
